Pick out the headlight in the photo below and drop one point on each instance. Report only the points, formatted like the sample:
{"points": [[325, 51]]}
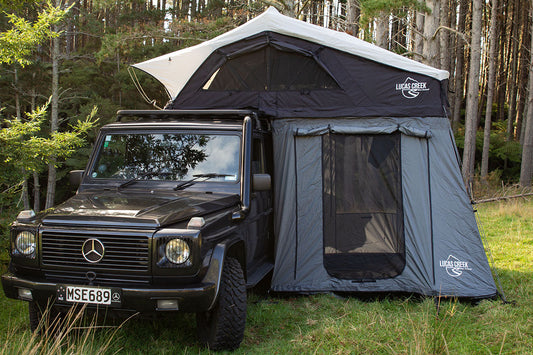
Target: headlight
{"points": [[177, 251], [25, 243]]}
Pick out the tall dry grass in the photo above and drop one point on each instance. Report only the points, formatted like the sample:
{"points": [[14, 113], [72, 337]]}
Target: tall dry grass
{"points": [[75, 332]]}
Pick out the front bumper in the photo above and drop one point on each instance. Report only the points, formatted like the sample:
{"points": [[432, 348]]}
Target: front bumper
{"points": [[190, 298]]}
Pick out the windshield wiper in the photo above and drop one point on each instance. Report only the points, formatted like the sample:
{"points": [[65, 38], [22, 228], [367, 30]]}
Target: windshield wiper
{"points": [[134, 180], [185, 184]]}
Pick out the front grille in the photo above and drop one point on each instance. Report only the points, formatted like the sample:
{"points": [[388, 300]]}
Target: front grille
{"points": [[126, 258]]}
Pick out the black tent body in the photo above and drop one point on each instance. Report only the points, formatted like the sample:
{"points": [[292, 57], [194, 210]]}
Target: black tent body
{"points": [[283, 76], [367, 186]]}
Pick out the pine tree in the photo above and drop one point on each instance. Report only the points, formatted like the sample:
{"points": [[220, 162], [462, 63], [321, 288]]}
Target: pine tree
{"points": [[472, 94], [526, 170]]}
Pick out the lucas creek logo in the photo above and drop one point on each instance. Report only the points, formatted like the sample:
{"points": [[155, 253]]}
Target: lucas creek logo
{"points": [[454, 267], [411, 88]]}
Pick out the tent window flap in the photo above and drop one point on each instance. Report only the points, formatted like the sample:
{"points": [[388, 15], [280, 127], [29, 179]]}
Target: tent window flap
{"points": [[363, 210], [270, 69]]}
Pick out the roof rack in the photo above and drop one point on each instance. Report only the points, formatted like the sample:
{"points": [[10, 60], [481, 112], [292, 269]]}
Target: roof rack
{"points": [[168, 114]]}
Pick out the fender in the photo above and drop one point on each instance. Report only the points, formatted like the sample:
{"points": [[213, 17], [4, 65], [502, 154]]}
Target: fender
{"points": [[216, 265]]}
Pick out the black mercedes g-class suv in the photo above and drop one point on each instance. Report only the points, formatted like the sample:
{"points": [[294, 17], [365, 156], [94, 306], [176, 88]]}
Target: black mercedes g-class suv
{"points": [[173, 213]]}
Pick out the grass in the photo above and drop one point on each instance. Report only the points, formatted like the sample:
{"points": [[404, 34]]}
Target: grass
{"points": [[81, 334], [327, 324]]}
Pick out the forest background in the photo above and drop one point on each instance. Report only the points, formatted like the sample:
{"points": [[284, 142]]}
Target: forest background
{"points": [[81, 63]]}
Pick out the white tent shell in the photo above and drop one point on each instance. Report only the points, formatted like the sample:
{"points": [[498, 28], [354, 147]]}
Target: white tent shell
{"points": [[174, 69]]}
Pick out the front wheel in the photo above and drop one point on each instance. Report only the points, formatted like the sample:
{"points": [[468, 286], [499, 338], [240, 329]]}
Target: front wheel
{"points": [[222, 328]]}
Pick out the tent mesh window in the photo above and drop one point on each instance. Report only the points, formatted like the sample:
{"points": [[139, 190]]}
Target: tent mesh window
{"points": [[270, 69], [363, 212]]}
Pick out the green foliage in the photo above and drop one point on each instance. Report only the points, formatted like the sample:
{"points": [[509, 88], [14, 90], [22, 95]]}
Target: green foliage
{"points": [[503, 149], [504, 155], [17, 44], [22, 147], [372, 8], [22, 151]]}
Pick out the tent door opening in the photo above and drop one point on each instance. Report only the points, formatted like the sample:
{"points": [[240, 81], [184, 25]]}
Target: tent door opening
{"points": [[363, 234]]}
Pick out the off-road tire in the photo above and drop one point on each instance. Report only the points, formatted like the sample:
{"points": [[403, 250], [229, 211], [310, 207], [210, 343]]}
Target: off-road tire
{"points": [[222, 328]]}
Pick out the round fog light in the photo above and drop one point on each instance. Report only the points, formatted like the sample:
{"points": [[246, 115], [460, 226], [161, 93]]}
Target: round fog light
{"points": [[25, 243], [177, 251]]}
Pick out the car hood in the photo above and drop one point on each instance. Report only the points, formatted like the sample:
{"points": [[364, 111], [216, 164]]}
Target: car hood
{"points": [[135, 210]]}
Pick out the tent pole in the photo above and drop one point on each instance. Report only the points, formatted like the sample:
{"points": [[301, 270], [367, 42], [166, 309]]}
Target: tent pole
{"points": [[431, 213], [296, 200]]}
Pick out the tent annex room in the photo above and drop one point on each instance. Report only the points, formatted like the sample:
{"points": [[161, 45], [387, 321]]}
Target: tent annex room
{"points": [[367, 185]]}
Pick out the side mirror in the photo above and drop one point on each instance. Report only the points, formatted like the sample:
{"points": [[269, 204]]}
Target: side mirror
{"points": [[261, 182], [75, 177]]}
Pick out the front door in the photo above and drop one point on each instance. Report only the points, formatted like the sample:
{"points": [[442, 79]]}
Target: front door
{"points": [[362, 206], [260, 238]]}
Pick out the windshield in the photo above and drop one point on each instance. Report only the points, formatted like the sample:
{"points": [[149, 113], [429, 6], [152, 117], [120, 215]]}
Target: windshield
{"points": [[167, 156]]}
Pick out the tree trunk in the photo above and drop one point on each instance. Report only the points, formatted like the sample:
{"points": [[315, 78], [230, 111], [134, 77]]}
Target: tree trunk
{"points": [[526, 113], [17, 95], [431, 37], [418, 47], [526, 170], [25, 194], [459, 70], [472, 97], [36, 183], [453, 40], [314, 12], [193, 9], [394, 32], [36, 193], [502, 82], [382, 30], [69, 31], [513, 47], [326, 13], [490, 88], [352, 17], [523, 73], [399, 32], [54, 118], [444, 35]]}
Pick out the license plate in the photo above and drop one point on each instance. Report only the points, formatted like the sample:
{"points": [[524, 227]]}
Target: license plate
{"points": [[88, 294]]}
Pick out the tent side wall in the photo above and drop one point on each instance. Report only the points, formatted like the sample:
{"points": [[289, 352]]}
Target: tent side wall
{"points": [[437, 217], [461, 265]]}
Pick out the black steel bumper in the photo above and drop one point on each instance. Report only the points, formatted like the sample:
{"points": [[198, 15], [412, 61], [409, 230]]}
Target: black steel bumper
{"points": [[190, 298]]}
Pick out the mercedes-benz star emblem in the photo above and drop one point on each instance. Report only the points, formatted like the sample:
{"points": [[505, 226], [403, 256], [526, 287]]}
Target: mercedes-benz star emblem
{"points": [[92, 250]]}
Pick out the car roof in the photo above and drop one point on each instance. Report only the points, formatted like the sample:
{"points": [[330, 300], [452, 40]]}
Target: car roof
{"points": [[180, 119]]}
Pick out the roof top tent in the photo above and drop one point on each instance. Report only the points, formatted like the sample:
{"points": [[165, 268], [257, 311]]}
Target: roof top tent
{"points": [[368, 191]]}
